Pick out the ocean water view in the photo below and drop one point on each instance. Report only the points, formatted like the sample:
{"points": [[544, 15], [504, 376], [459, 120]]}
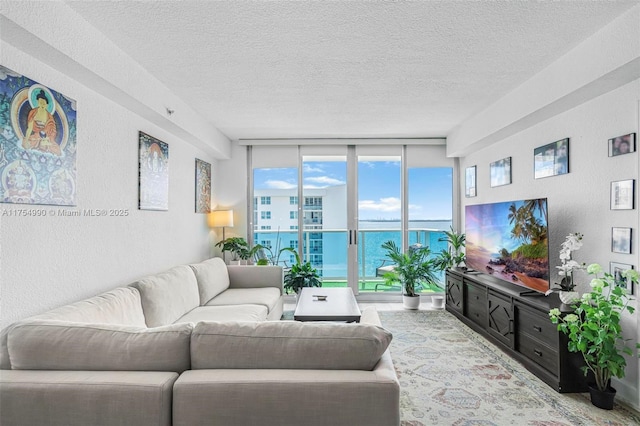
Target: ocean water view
{"points": [[327, 248]]}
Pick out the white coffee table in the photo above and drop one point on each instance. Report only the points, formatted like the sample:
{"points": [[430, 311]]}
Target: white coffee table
{"points": [[340, 305]]}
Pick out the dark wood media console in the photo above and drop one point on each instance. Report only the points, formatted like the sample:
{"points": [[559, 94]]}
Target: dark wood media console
{"points": [[518, 324]]}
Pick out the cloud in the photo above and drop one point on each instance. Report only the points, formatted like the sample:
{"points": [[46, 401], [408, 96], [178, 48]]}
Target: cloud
{"points": [[389, 204], [308, 169], [280, 184], [325, 180]]}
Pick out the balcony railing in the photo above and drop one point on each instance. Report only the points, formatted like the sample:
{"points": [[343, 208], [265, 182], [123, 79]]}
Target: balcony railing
{"points": [[371, 256]]}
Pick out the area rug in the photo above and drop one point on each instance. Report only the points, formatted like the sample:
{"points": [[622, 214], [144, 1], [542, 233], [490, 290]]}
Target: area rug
{"points": [[450, 375]]}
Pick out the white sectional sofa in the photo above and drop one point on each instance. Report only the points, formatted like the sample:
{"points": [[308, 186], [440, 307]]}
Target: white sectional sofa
{"points": [[197, 344]]}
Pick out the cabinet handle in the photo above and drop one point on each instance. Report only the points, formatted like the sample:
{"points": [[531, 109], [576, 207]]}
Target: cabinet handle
{"points": [[537, 328], [537, 352]]}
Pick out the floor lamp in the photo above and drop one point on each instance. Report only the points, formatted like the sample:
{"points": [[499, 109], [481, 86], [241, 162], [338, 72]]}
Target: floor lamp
{"points": [[221, 219]]}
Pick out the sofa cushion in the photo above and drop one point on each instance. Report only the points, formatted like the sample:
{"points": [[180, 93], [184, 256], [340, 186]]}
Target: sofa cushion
{"points": [[60, 345], [212, 278], [287, 345], [83, 398], [121, 305], [267, 296], [168, 295], [226, 313]]}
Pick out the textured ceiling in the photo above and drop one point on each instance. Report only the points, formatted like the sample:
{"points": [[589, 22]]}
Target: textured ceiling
{"points": [[312, 69]]}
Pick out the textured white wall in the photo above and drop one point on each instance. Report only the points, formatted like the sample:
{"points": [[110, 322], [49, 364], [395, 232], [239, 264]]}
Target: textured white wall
{"points": [[578, 201], [51, 261]]}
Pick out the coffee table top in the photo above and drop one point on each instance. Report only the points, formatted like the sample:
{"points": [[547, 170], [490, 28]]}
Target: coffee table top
{"points": [[339, 305]]}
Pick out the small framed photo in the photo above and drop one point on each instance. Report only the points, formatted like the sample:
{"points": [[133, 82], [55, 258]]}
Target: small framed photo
{"points": [[616, 270], [500, 172], [551, 159], [470, 182], [621, 145], [621, 240], [622, 195]]}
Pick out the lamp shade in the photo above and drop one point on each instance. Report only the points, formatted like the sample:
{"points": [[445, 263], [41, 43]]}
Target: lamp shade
{"points": [[220, 219]]}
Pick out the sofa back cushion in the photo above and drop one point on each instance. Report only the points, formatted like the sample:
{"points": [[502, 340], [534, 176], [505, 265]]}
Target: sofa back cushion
{"points": [[121, 305], [287, 345], [212, 277], [61, 345], [168, 295]]}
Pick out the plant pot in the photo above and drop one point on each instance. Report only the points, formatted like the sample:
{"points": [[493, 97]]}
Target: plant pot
{"points": [[568, 297], [437, 302], [602, 399], [234, 262], [410, 302]]}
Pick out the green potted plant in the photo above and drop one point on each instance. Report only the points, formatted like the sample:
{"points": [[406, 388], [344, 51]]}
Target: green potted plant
{"points": [[595, 331], [410, 270], [300, 275], [454, 255], [239, 249]]}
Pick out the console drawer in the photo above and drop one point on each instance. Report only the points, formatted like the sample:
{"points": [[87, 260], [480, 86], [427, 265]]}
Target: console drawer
{"points": [[538, 352], [537, 325], [476, 304]]}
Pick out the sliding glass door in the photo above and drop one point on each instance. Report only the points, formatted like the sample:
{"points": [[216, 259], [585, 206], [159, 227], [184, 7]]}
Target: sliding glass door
{"points": [[324, 220], [379, 214]]}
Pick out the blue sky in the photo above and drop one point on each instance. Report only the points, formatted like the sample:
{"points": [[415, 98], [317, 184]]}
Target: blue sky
{"points": [[430, 189]]}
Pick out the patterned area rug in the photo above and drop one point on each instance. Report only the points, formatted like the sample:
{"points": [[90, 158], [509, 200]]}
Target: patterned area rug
{"points": [[450, 375]]}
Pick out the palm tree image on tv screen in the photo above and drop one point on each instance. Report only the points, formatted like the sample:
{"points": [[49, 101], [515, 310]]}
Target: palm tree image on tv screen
{"points": [[509, 241]]}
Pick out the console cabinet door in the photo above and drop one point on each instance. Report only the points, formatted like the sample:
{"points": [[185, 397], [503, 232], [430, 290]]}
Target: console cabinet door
{"points": [[454, 293], [500, 316]]}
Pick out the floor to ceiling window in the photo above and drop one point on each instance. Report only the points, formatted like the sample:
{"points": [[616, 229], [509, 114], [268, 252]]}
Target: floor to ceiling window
{"points": [[336, 205], [275, 203]]}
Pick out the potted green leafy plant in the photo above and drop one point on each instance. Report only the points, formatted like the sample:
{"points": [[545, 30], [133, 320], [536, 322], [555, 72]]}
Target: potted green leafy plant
{"points": [[300, 275], [410, 270], [595, 331], [239, 249], [454, 255]]}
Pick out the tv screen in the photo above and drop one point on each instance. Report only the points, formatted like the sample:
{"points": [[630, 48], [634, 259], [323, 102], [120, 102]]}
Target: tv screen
{"points": [[509, 241]]}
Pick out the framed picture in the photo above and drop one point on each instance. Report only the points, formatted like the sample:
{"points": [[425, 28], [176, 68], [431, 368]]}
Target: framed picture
{"points": [[622, 145], [622, 195], [153, 167], [500, 172], [551, 159], [616, 270], [621, 240], [38, 144], [470, 182], [203, 186]]}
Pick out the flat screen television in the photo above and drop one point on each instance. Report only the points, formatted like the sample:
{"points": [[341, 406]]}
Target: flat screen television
{"points": [[509, 240]]}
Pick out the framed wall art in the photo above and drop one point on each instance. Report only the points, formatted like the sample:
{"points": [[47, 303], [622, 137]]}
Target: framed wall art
{"points": [[621, 240], [551, 159], [153, 167], [622, 195], [500, 172], [616, 269], [38, 143], [470, 182], [621, 145], [203, 186]]}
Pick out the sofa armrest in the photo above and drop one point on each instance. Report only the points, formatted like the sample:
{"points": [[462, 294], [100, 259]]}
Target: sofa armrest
{"points": [[80, 398], [252, 276]]}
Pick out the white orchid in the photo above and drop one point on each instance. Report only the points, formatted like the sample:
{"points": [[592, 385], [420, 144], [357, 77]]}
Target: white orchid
{"points": [[571, 243]]}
